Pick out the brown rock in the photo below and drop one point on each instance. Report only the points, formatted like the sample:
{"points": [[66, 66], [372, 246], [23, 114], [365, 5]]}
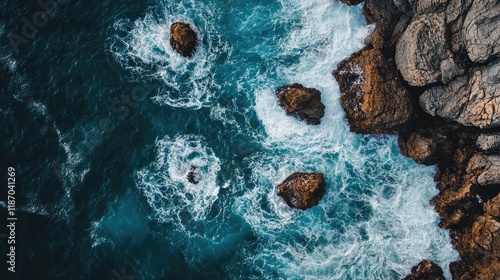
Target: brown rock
{"points": [[183, 39], [372, 95], [425, 270], [303, 190], [492, 207], [418, 147], [303, 103]]}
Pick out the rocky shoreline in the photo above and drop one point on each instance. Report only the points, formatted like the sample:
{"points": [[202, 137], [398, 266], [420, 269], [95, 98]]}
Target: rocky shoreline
{"points": [[430, 73]]}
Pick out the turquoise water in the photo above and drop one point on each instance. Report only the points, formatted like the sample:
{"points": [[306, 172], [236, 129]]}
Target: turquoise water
{"points": [[123, 199]]}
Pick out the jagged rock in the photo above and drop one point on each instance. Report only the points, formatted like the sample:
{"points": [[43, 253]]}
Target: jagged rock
{"points": [[425, 270], [303, 103], [492, 207], [192, 176], [303, 190], [485, 169], [183, 39], [372, 95], [422, 54], [351, 2], [488, 142], [469, 101], [387, 14], [480, 242], [418, 147]]}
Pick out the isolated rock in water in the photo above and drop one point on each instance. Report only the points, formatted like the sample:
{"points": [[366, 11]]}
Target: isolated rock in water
{"points": [[422, 53], [469, 99], [425, 270], [303, 190], [191, 176], [372, 95], [183, 39], [303, 103]]}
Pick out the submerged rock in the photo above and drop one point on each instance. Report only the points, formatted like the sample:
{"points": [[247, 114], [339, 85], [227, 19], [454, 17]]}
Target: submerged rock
{"points": [[303, 190], [301, 102], [192, 176], [425, 270], [183, 39]]}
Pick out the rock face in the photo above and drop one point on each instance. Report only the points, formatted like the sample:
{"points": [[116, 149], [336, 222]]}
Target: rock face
{"points": [[422, 53], [425, 270], [183, 39], [303, 103], [303, 190], [431, 73], [470, 99], [372, 95]]}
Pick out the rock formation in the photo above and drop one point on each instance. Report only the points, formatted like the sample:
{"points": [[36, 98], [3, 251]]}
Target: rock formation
{"points": [[425, 270], [373, 97], [430, 72], [303, 103], [303, 190], [192, 176], [183, 39]]}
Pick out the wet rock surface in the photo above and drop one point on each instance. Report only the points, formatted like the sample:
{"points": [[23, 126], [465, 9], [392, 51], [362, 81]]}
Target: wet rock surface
{"points": [[301, 102], [444, 56], [425, 270], [183, 39], [303, 190]]}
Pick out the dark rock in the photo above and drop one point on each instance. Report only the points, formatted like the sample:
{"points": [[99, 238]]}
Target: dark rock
{"points": [[372, 95], [183, 39], [425, 270], [351, 2], [303, 103], [303, 190], [192, 176]]}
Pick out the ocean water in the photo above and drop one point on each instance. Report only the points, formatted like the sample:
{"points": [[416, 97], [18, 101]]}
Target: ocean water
{"points": [[103, 120]]}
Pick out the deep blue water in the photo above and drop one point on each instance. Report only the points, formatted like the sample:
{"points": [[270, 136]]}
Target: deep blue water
{"points": [[102, 121]]}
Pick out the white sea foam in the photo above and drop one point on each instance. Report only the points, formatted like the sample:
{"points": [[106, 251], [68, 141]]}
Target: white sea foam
{"points": [[165, 184], [375, 221], [143, 47]]}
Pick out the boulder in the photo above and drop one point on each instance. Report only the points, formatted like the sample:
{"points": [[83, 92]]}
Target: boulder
{"points": [[422, 53], [484, 169], [372, 95], [301, 102], [426, 270], [183, 39], [481, 31], [469, 99], [302, 190]]}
